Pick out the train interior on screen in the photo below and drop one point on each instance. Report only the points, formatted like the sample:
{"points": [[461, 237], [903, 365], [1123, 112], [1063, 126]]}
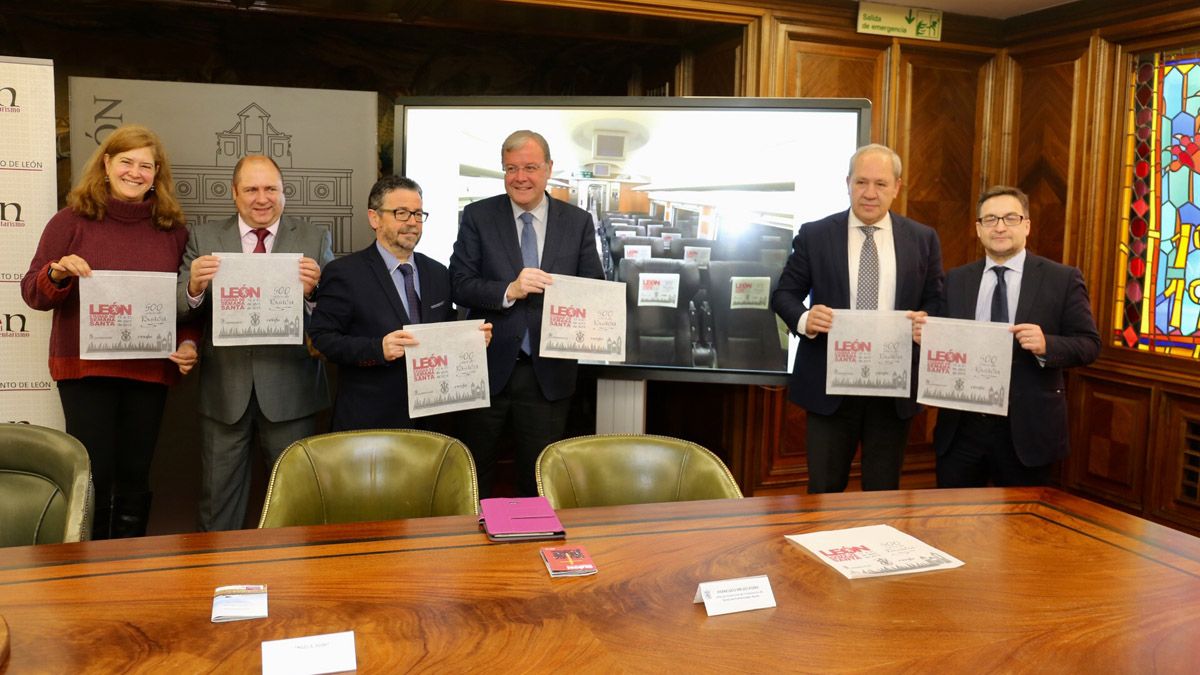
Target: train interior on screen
{"points": [[720, 245]]}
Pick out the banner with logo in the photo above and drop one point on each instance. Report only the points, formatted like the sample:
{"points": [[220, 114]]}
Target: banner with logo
{"points": [[257, 299], [324, 141], [869, 354], [28, 198], [583, 319], [126, 315], [965, 365], [447, 368]]}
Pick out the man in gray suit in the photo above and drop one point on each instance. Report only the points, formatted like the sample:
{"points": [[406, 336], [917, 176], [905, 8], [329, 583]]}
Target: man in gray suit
{"points": [[273, 391]]}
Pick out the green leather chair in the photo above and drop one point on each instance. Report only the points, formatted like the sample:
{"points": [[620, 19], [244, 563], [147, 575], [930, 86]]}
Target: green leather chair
{"points": [[616, 469], [379, 474], [45, 487]]}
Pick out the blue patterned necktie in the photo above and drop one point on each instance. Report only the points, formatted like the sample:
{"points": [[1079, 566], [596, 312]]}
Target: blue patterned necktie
{"points": [[410, 293], [868, 272], [1000, 296], [529, 256]]}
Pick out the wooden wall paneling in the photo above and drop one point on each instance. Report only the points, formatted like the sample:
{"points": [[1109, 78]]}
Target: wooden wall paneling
{"points": [[1110, 431], [817, 70], [1175, 465], [938, 92]]}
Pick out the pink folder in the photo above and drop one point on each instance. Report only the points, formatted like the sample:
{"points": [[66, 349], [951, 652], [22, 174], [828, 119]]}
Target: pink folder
{"points": [[519, 518]]}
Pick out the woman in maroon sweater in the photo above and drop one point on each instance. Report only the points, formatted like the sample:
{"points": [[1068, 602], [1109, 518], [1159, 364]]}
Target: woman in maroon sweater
{"points": [[122, 215]]}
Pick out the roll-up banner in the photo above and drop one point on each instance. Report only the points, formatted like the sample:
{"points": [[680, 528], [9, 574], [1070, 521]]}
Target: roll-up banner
{"points": [[28, 180]]}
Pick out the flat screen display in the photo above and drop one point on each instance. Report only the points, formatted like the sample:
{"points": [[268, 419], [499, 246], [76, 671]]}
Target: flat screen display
{"points": [[706, 191]]}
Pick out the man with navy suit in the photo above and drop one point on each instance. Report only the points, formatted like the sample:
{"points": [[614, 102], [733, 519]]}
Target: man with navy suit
{"points": [[272, 392], [507, 248], [865, 258], [365, 301], [1052, 326]]}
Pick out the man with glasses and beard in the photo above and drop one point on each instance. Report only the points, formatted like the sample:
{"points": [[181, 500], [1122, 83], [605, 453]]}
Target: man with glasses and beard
{"points": [[365, 301]]}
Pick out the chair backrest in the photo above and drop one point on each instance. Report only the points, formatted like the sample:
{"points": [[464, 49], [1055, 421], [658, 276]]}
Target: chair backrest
{"points": [[45, 487], [747, 334], [658, 331], [617, 246], [378, 474], [608, 470]]}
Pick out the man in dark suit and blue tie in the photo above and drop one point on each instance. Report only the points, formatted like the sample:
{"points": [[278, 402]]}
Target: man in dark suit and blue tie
{"points": [[507, 248], [865, 258], [1047, 306], [367, 298]]}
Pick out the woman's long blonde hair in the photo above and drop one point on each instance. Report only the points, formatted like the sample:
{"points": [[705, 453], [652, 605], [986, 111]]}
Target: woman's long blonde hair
{"points": [[89, 198]]}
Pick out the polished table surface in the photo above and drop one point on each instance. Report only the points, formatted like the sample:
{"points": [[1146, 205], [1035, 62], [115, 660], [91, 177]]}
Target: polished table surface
{"points": [[1052, 583]]}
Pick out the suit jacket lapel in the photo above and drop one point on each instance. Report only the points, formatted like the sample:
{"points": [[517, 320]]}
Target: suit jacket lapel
{"points": [[905, 247], [554, 235], [968, 287], [840, 250], [284, 236], [508, 234], [378, 270], [1031, 278], [229, 238]]}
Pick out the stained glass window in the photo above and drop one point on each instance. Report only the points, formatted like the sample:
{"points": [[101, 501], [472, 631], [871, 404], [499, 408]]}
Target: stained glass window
{"points": [[1158, 283]]}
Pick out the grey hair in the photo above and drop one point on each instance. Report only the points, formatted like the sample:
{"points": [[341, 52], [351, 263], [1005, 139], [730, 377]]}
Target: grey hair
{"points": [[875, 147], [387, 184], [520, 137]]}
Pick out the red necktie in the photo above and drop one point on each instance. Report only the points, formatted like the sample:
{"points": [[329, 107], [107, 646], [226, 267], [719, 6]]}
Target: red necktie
{"points": [[261, 246]]}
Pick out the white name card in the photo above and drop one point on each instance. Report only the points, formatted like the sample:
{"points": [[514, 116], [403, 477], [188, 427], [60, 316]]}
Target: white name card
{"points": [[312, 655], [735, 595]]}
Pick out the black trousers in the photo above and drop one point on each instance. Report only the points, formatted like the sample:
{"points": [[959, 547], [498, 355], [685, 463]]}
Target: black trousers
{"points": [[982, 451], [522, 411], [833, 440], [117, 420]]}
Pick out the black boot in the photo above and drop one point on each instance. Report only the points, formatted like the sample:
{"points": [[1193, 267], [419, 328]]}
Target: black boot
{"points": [[102, 520], [130, 514]]}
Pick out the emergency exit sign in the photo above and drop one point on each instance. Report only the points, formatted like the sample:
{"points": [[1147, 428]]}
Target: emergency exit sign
{"points": [[899, 21]]}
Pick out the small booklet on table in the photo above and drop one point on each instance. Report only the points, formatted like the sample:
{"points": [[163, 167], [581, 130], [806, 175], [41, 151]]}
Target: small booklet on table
{"points": [[568, 561], [519, 519]]}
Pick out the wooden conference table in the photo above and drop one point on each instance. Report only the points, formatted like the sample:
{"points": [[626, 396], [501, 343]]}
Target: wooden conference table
{"points": [[1052, 583]]}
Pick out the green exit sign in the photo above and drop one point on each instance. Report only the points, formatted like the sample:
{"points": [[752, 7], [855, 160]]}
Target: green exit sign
{"points": [[585, 174], [899, 21]]}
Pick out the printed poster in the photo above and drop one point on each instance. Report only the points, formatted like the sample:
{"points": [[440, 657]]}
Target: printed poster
{"points": [[869, 354], [658, 289], [583, 319], [257, 299], [697, 254], [447, 370], [126, 315], [874, 551], [965, 365], [637, 252], [750, 293]]}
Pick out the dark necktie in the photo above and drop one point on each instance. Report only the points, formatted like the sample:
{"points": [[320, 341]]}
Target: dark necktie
{"points": [[529, 256], [1000, 296], [410, 292], [261, 246], [868, 272]]}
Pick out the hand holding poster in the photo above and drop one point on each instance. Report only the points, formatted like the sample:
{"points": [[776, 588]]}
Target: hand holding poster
{"points": [[869, 354], [126, 315], [447, 369], [965, 365], [583, 319], [257, 299]]}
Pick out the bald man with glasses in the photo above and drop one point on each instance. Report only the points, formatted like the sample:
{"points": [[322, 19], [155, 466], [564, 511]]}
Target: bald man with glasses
{"points": [[366, 300], [1050, 317]]}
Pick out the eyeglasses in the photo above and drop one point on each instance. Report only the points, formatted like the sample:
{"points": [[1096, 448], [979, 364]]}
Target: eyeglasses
{"points": [[403, 215], [1010, 220], [512, 169]]}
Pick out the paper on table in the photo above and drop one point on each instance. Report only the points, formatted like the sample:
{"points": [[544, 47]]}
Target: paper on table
{"points": [[873, 551], [126, 315], [447, 370], [312, 655], [735, 595], [236, 603]]}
